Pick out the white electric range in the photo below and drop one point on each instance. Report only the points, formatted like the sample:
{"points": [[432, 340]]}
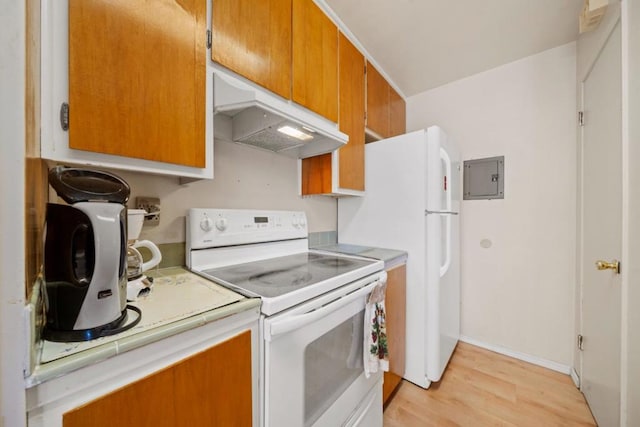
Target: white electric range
{"points": [[312, 323]]}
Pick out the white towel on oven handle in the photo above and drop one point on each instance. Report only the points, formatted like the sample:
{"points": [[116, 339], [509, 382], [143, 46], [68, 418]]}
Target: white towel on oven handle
{"points": [[375, 349]]}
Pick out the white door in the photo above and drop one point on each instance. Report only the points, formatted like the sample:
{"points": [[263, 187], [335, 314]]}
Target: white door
{"points": [[602, 233]]}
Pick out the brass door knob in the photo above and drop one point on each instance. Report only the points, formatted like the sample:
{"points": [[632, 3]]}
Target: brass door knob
{"points": [[613, 265]]}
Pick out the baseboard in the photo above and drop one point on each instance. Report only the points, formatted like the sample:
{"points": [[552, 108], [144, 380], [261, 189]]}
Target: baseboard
{"points": [[549, 364], [575, 378]]}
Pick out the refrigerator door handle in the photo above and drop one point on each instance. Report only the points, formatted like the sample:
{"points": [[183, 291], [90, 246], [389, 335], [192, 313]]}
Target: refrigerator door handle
{"points": [[447, 177], [427, 212], [444, 267], [447, 252]]}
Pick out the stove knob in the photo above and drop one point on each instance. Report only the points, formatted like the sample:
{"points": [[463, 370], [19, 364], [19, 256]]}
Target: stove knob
{"points": [[295, 222], [302, 222], [221, 224], [206, 224]]}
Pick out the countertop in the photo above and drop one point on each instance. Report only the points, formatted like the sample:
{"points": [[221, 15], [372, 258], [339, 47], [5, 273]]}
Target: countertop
{"points": [[391, 257], [179, 301]]}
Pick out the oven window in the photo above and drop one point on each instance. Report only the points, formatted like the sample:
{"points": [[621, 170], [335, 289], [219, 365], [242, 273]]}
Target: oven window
{"points": [[331, 363]]}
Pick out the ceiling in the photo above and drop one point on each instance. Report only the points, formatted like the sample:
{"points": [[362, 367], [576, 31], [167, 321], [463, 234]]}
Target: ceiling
{"points": [[422, 44]]}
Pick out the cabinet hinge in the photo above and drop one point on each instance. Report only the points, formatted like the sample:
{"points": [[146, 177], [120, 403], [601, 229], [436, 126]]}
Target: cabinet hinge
{"points": [[581, 118], [209, 39], [580, 341], [64, 116]]}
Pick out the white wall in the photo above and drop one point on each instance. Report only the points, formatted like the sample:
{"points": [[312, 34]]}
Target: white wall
{"points": [[245, 177], [12, 221], [517, 294]]}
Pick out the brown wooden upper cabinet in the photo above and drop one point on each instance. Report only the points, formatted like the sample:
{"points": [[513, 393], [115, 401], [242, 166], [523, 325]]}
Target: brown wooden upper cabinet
{"points": [[377, 102], [352, 97], [397, 114], [317, 172], [385, 107], [137, 79], [253, 39], [287, 46], [315, 60]]}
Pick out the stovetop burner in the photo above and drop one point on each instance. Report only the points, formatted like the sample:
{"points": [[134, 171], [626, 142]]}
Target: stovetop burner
{"points": [[273, 278], [277, 276]]}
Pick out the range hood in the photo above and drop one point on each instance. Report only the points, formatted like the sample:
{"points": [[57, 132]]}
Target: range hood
{"points": [[248, 114]]}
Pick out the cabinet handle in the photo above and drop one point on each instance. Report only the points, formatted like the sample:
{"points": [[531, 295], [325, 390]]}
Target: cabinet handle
{"points": [[64, 116]]}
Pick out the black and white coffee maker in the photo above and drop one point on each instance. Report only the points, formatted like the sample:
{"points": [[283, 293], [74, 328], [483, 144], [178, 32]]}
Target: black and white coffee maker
{"points": [[85, 272]]}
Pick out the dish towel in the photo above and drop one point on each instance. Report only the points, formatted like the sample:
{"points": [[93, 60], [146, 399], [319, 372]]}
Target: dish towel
{"points": [[376, 352]]}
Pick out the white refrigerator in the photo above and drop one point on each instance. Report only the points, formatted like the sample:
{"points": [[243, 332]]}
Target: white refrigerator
{"points": [[412, 202]]}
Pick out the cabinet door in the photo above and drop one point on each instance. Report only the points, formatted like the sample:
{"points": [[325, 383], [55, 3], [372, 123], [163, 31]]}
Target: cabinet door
{"points": [[315, 59], [397, 114], [253, 38], [213, 388], [137, 79], [317, 174], [377, 102], [396, 307], [351, 156], [147, 402]]}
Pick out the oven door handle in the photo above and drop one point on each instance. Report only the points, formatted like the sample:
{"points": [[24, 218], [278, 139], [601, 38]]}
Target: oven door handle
{"points": [[297, 321]]}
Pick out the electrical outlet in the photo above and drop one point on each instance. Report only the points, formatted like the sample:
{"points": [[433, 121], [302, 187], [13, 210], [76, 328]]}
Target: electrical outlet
{"points": [[152, 206]]}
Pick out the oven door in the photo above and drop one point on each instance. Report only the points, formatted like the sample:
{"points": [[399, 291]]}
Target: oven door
{"points": [[313, 362]]}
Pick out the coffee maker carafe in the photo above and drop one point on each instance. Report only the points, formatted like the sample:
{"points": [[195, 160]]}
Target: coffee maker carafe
{"points": [[85, 249], [136, 266]]}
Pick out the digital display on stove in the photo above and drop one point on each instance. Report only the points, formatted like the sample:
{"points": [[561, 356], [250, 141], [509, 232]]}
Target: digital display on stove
{"points": [[260, 219]]}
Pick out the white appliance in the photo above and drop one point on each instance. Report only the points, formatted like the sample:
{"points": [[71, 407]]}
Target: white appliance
{"points": [[312, 322], [136, 281], [412, 202], [248, 114]]}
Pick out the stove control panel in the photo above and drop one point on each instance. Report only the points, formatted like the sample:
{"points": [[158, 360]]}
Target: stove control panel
{"points": [[210, 228]]}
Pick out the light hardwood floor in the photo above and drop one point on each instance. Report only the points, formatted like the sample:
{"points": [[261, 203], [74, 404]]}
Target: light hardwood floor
{"points": [[482, 388]]}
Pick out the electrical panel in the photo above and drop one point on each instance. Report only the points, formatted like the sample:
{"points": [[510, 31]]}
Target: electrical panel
{"points": [[484, 178]]}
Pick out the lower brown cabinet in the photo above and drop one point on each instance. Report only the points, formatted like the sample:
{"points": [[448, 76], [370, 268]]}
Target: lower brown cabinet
{"points": [[211, 388], [396, 306]]}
